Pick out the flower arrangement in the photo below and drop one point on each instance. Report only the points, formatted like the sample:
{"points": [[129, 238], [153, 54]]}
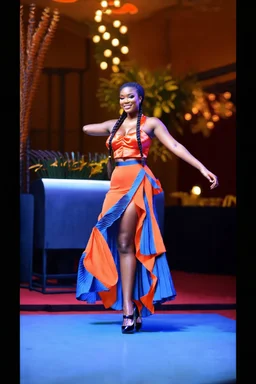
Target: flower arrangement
{"points": [[51, 164]]}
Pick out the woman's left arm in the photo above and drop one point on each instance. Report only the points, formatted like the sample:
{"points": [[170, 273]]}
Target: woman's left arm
{"points": [[163, 135]]}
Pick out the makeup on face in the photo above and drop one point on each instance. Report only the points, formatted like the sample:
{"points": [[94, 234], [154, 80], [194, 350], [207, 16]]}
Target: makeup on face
{"points": [[129, 99]]}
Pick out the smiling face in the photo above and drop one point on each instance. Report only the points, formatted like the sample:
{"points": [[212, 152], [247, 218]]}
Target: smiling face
{"points": [[129, 99]]}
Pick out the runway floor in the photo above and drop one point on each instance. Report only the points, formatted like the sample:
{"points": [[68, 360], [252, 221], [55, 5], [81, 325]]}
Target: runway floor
{"points": [[90, 348], [193, 343]]}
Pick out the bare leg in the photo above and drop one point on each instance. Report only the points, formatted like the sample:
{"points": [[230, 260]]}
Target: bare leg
{"points": [[127, 257]]}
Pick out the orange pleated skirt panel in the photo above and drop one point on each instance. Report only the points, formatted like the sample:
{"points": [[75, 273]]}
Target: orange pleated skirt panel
{"points": [[99, 275]]}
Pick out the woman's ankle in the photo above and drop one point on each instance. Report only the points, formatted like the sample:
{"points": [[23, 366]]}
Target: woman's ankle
{"points": [[128, 307]]}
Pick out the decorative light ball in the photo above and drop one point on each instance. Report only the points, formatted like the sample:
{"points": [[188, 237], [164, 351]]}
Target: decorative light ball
{"points": [[210, 125], [215, 118], [116, 3], [98, 18], [211, 97], [115, 42], [116, 60], [115, 68], [104, 4], [195, 110], [107, 53], [102, 28], [106, 36], [103, 65], [116, 23], [124, 50], [96, 38], [227, 95], [123, 29], [188, 116], [108, 11], [196, 190], [98, 12]]}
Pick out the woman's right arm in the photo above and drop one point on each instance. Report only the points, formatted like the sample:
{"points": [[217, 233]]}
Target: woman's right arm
{"points": [[100, 129]]}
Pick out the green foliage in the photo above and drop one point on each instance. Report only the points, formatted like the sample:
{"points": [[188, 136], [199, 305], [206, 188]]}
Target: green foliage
{"points": [[164, 94], [180, 102], [51, 164]]}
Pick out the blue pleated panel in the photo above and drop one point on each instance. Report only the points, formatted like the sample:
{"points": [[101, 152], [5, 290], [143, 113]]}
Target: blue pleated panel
{"points": [[87, 285], [147, 244]]}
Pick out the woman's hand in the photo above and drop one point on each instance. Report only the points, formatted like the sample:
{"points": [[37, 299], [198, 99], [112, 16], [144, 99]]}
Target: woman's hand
{"points": [[211, 177]]}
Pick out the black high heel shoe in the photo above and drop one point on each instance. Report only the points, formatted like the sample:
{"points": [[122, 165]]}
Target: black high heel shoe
{"points": [[129, 328], [137, 314]]}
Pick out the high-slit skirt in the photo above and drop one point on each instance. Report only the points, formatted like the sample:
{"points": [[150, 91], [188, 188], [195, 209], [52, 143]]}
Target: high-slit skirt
{"points": [[99, 277]]}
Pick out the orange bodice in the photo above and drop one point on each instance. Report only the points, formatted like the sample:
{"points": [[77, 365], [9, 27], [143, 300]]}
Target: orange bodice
{"points": [[127, 146]]}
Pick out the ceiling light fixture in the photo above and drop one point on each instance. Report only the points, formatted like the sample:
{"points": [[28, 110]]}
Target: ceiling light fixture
{"points": [[65, 1], [114, 40]]}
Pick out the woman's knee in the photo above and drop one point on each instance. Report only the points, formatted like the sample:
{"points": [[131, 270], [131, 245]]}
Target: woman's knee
{"points": [[125, 243]]}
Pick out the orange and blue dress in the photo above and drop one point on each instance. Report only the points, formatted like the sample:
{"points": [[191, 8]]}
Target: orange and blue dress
{"points": [[99, 275]]}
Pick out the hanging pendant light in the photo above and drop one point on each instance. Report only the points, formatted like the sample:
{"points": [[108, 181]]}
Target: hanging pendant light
{"points": [[65, 1]]}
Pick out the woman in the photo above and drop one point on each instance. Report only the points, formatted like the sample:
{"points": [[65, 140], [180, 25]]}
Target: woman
{"points": [[124, 263]]}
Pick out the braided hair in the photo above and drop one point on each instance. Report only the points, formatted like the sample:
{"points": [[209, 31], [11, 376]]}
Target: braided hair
{"points": [[140, 91]]}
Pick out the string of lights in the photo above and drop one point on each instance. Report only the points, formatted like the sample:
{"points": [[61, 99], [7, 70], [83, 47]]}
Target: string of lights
{"points": [[110, 36]]}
